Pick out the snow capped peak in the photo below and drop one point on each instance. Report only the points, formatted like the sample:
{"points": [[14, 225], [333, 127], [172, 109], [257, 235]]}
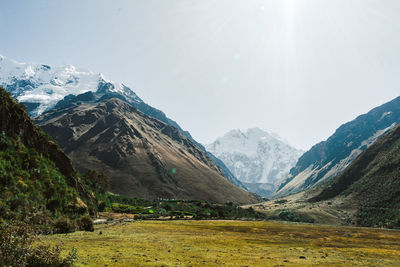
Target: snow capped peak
{"points": [[2, 58], [247, 133], [244, 141], [43, 86], [254, 155], [103, 78], [255, 130]]}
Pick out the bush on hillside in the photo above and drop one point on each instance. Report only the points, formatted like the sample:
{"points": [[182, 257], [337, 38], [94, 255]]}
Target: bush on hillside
{"points": [[290, 216], [85, 223], [64, 226], [30, 182], [16, 248]]}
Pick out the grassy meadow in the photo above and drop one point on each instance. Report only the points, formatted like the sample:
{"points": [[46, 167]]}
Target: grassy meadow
{"points": [[230, 243]]}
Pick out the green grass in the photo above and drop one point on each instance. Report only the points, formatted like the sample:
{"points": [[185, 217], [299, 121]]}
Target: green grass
{"points": [[231, 243]]}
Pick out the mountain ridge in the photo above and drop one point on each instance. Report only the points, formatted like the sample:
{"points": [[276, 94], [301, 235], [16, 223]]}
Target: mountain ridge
{"points": [[328, 158], [370, 183]]}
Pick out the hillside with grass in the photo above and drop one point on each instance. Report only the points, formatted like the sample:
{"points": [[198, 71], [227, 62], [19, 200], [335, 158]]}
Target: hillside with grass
{"points": [[40, 191], [37, 180]]}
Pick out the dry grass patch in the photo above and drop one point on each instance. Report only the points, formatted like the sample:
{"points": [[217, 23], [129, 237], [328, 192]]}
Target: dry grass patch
{"points": [[231, 243]]}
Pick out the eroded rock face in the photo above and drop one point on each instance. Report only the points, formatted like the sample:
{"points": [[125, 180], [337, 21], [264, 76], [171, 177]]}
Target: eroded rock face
{"points": [[143, 156]]}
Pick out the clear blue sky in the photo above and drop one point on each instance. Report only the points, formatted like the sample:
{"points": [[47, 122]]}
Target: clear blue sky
{"points": [[299, 68]]}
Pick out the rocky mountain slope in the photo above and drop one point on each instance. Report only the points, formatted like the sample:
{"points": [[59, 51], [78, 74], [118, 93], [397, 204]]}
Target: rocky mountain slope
{"points": [[143, 156], [258, 159], [372, 183], [329, 158], [43, 87]]}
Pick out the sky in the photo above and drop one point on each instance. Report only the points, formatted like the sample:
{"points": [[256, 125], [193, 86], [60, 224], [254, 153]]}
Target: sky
{"points": [[298, 68]]}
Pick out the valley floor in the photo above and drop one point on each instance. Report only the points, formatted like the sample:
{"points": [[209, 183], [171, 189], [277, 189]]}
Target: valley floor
{"points": [[231, 243]]}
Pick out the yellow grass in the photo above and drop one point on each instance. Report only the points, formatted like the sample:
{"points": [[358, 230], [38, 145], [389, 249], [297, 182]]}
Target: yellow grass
{"points": [[231, 243]]}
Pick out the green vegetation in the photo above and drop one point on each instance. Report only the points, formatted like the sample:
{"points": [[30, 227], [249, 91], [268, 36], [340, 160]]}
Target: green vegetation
{"points": [[34, 190], [124, 208], [31, 183], [290, 216], [178, 208]]}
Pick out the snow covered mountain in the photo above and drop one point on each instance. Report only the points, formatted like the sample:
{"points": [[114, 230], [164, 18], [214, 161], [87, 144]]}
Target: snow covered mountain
{"points": [[40, 86], [258, 159]]}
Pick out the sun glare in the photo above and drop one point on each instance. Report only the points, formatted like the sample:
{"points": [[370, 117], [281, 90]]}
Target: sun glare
{"points": [[289, 8]]}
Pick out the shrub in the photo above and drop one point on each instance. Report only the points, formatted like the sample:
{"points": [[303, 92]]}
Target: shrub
{"points": [[102, 206], [287, 215], [16, 239], [41, 221], [85, 223], [64, 225]]}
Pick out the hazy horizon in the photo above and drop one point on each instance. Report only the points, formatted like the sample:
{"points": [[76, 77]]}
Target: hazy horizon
{"points": [[298, 68]]}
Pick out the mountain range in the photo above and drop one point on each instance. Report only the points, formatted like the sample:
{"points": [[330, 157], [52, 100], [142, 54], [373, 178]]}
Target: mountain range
{"points": [[42, 87], [257, 158], [74, 105], [53, 93]]}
